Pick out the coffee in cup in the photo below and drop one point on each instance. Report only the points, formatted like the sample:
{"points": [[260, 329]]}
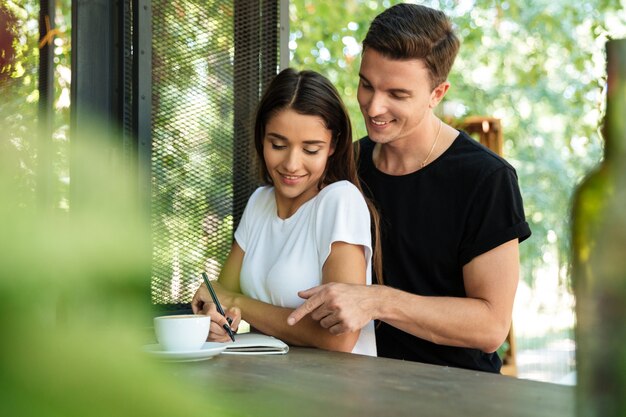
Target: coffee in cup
{"points": [[186, 332]]}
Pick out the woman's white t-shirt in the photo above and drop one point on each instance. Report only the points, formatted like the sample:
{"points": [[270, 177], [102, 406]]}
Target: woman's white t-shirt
{"points": [[284, 256]]}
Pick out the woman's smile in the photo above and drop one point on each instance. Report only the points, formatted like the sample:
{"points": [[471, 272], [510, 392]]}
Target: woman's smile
{"points": [[296, 148]]}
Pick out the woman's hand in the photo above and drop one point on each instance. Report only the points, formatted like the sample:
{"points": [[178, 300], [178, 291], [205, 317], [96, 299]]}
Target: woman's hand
{"points": [[202, 303], [217, 332]]}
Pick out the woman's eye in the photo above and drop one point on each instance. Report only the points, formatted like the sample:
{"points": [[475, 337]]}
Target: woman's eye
{"points": [[278, 147], [311, 151]]}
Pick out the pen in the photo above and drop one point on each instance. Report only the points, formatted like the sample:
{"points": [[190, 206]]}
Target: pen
{"points": [[218, 305]]}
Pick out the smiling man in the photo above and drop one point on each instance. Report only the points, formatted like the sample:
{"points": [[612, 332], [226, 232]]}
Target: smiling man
{"points": [[451, 211]]}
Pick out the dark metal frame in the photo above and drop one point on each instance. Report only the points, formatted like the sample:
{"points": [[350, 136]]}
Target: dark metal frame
{"points": [[142, 94], [95, 79]]}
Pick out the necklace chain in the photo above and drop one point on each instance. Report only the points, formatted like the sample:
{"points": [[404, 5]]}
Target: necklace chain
{"points": [[432, 148]]}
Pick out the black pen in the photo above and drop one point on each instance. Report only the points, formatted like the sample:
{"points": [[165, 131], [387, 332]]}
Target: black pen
{"points": [[218, 305]]}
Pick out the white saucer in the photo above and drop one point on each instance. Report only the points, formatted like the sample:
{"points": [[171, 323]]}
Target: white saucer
{"points": [[209, 350]]}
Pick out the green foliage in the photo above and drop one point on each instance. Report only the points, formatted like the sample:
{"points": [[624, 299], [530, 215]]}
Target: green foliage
{"points": [[325, 36], [8, 42], [73, 297], [541, 71], [73, 292], [19, 104], [538, 67], [19, 95]]}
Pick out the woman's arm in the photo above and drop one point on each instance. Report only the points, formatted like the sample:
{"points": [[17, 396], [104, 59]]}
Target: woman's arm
{"points": [[202, 303], [229, 279], [346, 263]]}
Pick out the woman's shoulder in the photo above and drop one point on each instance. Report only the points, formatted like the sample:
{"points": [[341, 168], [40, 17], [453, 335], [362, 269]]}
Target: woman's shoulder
{"points": [[261, 195], [340, 193], [341, 213], [262, 192], [340, 188]]}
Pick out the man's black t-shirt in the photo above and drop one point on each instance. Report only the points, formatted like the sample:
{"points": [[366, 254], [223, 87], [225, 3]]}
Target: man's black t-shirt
{"points": [[433, 222]]}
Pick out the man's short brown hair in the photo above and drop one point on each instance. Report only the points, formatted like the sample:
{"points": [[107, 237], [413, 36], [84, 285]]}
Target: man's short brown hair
{"points": [[411, 31]]}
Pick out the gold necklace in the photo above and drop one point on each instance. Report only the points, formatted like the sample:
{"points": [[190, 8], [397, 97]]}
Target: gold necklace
{"points": [[434, 143]]}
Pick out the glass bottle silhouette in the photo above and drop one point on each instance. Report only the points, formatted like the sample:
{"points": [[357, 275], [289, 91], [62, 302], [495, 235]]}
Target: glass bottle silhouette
{"points": [[599, 260]]}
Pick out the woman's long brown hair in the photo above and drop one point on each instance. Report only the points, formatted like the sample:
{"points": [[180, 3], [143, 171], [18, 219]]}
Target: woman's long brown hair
{"points": [[310, 93]]}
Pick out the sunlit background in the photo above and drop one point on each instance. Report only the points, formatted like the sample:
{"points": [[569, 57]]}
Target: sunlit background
{"points": [[540, 68], [537, 66]]}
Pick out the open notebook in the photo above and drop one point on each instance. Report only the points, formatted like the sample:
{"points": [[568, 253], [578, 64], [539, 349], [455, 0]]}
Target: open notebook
{"points": [[256, 344]]}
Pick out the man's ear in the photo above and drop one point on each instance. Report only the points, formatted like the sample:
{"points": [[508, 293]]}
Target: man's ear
{"points": [[438, 94]]}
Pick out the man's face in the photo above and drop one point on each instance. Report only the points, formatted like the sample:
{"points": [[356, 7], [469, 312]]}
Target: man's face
{"points": [[394, 96]]}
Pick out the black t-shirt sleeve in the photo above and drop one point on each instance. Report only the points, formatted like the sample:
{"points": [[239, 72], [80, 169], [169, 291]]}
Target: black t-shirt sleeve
{"points": [[495, 215]]}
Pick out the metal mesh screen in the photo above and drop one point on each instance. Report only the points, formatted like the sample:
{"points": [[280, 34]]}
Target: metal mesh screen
{"points": [[210, 61]]}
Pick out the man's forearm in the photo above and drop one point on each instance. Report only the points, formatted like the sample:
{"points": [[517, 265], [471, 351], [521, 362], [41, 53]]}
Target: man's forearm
{"points": [[452, 321]]}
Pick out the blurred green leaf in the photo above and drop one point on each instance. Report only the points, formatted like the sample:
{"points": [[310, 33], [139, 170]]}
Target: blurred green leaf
{"points": [[73, 297]]}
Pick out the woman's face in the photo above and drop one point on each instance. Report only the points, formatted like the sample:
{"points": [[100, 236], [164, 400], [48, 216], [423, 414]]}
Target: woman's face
{"points": [[296, 148]]}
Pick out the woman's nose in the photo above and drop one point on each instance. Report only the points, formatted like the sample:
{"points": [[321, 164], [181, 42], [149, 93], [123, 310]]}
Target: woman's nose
{"points": [[292, 161]]}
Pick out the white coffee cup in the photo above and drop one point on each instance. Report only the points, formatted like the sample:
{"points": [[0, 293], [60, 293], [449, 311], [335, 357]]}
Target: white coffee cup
{"points": [[186, 332]]}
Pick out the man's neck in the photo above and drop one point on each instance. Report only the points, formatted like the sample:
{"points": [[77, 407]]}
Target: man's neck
{"points": [[406, 155], [397, 158]]}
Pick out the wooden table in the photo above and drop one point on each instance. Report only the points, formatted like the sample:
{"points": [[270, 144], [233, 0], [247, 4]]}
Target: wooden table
{"points": [[311, 382]]}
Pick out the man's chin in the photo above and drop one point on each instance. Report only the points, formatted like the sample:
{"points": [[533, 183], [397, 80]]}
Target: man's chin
{"points": [[379, 138]]}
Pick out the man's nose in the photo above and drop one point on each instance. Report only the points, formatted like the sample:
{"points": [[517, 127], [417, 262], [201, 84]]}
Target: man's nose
{"points": [[376, 105]]}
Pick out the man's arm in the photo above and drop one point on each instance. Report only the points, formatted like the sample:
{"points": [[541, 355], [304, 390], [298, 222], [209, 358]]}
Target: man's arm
{"points": [[481, 320]]}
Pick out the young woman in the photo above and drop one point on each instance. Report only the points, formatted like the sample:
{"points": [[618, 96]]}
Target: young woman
{"points": [[309, 225]]}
